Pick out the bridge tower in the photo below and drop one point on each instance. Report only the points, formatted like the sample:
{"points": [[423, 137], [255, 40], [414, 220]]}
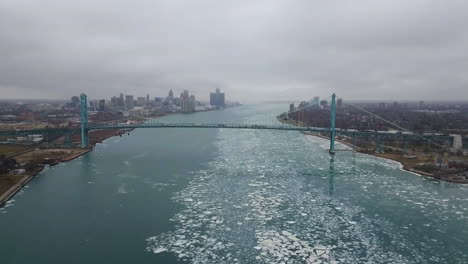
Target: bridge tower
{"points": [[332, 124], [84, 120]]}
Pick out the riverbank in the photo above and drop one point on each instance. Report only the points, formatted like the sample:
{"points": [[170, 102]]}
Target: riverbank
{"points": [[10, 185], [15, 188], [408, 163], [16, 185]]}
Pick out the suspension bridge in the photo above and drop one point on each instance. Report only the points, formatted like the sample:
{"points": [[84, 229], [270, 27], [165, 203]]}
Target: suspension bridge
{"points": [[332, 131]]}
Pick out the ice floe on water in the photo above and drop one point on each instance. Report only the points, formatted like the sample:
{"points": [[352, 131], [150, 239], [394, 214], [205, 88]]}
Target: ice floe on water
{"points": [[249, 206], [228, 219], [122, 189], [162, 185], [285, 247]]}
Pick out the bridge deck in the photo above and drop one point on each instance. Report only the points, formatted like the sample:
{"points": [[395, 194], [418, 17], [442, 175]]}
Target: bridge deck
{"points": [[219, 126]]}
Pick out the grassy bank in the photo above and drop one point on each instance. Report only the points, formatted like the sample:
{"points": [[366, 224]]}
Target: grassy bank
{"points": [[8, 181], [8, 149]]}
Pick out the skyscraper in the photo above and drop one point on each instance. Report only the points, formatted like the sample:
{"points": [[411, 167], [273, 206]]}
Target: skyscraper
{"points": [[316, 100], [115, 101], [185, 102], [192, 103], [121, 100], [324, 103], [102, 105], [217, 98], [129, 102], [339, 102], [75, 101], [141, 101]]}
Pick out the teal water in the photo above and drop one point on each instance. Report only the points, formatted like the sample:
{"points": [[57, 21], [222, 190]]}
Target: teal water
{"points": [[232, 196]]}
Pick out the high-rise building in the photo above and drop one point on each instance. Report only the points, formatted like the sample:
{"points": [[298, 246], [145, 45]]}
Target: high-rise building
{"points": [[147, 98], [316, 100], [324, 103], [121, 101], [171, 94], [115, 101], [192, 103], [339, 102], [291, 107], [93, 105], [129, 102], [185, 102], [217, 98], [141, 101], [75, 101], [102, 105]]}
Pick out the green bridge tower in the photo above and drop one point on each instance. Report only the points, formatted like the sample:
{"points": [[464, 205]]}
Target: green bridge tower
{"points": [[332, 124], [84, 120]]}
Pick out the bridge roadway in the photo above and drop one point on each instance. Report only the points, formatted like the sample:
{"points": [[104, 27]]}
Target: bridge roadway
{"points": [[346, 132]]}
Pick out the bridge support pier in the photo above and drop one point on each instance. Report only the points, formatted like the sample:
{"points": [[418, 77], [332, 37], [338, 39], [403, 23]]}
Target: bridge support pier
{"points": [[332, 124], [84, 120], [379, 144], [67, 140], [354, 139]]}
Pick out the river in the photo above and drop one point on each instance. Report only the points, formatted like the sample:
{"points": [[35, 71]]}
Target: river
{"points": [[232, 196]]}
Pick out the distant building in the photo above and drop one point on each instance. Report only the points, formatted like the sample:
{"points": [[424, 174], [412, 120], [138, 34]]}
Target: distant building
{"points": [[324, 103], [291, 107], [93, 105], [421, 104], [141, 101], [339, 102], [147, 98], [192, 103], [171, 94], [217, 99], [121, 100], [102, 105], [115, 101], [184, 105], [316, 100], [185, 102], [75, 101], [17, 171], [129, 102], [303, 104]]}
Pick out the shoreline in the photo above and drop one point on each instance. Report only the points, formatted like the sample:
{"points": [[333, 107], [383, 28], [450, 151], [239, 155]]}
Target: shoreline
{"points": [[403, 166], [10, 193]]}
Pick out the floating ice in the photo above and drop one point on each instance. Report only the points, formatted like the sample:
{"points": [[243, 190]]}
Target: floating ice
{"points": [[159, 250]]}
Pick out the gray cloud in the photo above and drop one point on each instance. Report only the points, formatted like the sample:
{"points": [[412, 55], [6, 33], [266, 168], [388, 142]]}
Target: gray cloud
{"points": [[277, 49]]}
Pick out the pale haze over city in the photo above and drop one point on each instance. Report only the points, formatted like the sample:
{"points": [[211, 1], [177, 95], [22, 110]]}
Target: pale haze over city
{"points": [[216, 131], [269, 49]]}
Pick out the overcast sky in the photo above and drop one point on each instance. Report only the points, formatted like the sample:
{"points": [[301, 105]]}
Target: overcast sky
{"points": [[366, 49]]}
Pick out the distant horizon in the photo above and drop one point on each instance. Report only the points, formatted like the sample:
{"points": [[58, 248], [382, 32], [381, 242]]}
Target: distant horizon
{"points": [[246, 101]]}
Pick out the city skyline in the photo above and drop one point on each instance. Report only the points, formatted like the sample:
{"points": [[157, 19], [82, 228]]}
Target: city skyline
{"points": [[360, 50]]}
